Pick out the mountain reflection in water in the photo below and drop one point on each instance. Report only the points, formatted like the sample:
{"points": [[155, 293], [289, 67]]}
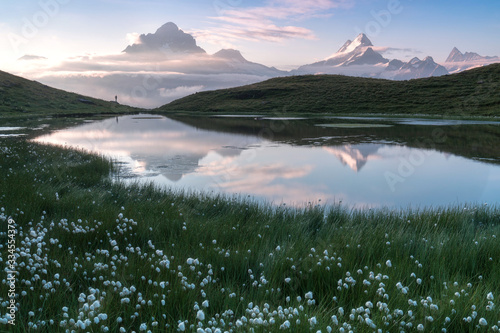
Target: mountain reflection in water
{"points": [[295, 161]]}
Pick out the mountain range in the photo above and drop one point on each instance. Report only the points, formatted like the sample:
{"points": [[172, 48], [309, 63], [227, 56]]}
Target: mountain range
{"points": [[168, 64], [458, 61], [360, 58]]}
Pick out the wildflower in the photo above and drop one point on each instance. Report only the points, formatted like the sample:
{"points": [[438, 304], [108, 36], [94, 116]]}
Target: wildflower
{"points": [[370, 323], [388, 263], [200, 315], [483, 322], [309, 295], [490, 297]]}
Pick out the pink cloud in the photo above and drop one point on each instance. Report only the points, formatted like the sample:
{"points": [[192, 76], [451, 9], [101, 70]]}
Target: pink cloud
{"points": [[258, 23]]}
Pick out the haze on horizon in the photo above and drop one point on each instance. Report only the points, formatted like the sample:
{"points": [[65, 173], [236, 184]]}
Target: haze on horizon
{"points": [[59, 42]]}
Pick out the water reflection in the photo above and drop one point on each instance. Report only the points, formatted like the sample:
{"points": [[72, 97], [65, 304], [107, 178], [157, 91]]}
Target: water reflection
{"points": [[296, 164]]}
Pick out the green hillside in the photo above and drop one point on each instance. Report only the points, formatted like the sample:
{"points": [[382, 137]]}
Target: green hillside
{"points": [[474, 92], [20, 96]]}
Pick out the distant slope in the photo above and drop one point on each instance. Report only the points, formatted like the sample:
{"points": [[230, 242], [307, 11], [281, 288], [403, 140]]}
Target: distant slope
{"points": [[21, 96], [471, 93]]}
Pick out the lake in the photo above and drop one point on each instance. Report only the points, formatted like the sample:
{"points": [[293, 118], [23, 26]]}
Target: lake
{"points": [[358, 161]]}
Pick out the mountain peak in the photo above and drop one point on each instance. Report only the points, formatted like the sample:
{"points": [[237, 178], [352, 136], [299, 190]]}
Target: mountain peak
{"points": [[363, 40], [360, 41], [455, 55], [168, 38], [167, 28], [230, 54]]}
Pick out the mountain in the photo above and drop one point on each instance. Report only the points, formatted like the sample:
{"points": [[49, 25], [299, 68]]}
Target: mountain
{"points": [[457, 56], [360, 58], [470, 93], [232, 61], [350, 46], [416, 68], [167, 39], [458, 61], [356, 54], [231, 55]]}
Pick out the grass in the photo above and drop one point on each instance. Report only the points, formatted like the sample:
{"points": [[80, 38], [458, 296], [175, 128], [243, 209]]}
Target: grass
{"points": [[153, 259], [22, 98], [95, 255], [472, 93]]}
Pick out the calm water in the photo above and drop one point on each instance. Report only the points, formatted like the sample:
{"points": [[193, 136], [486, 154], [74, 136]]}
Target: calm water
{"points": [[359, 161]]}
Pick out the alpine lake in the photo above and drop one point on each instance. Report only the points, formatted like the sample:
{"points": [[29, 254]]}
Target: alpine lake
{"points": [[363, 162]]}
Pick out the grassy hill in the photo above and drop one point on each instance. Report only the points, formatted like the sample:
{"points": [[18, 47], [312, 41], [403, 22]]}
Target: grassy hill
{"points": [[471, 93], [20, 96]]}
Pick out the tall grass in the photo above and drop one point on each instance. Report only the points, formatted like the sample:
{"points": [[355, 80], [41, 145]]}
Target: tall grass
{"points": [[151, 257]]}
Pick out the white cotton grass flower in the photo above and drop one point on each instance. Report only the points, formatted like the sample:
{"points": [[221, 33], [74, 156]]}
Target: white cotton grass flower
{"points": [[388, 263], [341, 311], [200, 315], [309, 295], [483, 322], [490, 297]]}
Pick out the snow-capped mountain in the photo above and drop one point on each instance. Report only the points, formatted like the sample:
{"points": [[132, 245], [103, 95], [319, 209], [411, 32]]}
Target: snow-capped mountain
{"points": [[360, 58], [357, 54], [458, 61], [416, 68]]}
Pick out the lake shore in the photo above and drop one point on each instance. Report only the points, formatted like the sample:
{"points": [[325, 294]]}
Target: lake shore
{"points": [[96, 255]]}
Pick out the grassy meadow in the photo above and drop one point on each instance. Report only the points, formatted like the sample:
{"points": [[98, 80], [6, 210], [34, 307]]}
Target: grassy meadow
{"points": [[472, 93], [93, 255], [24, 99], [97, 256]]}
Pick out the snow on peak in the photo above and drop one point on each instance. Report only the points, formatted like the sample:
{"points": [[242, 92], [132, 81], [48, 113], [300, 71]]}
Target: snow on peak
{"points": [[360, 41]]}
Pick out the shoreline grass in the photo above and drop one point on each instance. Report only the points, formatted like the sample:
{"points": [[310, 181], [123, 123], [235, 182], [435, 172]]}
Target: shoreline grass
{"points": [[94, 255]]}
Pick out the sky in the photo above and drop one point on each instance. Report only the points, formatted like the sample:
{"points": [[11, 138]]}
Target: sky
{"points": [[281, 33]]}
